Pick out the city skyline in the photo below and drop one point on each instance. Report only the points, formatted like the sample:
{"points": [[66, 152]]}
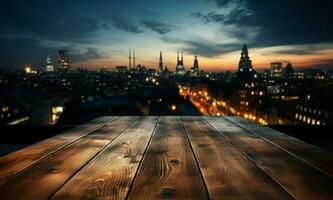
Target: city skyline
{"points": [[100, 34]]}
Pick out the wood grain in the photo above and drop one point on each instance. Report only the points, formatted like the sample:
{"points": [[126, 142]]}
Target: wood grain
{"points": [[18, 160], [306, 152], [42, 179], [110, 174], [300, 179], [228, 174], [169, 169]]}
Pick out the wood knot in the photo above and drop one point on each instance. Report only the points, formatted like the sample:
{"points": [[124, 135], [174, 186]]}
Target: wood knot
{"points": [[168, 192], [174, 162]]}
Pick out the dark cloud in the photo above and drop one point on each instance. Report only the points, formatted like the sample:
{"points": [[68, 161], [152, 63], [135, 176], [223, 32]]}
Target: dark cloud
{"points": [[124, 24], [45, 21], [88, 54], [158, 27], [224, 3], [304, 49], [204, 48], [280, 22], [210, 17]]}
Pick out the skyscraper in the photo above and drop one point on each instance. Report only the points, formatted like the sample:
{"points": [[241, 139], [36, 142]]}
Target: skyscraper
{"points": [[288, 71], [63, 60], [49, 67], [180, 69], [276, 70], [245, 70], [161, 66], [195, 69]]}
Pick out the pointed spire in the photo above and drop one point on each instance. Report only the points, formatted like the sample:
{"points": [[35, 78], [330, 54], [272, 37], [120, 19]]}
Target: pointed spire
{"points": [[134, 58], [161, 67], [129, 59]]}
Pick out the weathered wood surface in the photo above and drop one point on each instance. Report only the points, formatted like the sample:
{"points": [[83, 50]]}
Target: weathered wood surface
{"points": [[16, 161], [168, 158], [40, 181], [312, 155], [301, 180], [227, 172], [169, 169], [110, 174]]}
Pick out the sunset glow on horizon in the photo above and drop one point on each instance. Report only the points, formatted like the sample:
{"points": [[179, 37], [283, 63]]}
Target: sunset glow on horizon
{"points": [[100, 34]]}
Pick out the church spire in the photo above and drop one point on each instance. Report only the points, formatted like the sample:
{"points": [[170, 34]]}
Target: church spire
{"points": [[161, 67]]}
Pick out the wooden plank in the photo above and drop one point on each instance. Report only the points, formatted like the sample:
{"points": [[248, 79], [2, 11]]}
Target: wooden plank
{"points": [[227, 172], [110, 174], [41, 180], [169, 169], [301, 180], [308, 153], [18, 160]]}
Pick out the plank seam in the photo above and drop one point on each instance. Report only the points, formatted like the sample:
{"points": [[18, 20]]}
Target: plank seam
{"points": [[261, 169], [7, 178], [195, 157], [141, 161], [278, 146], [92, 158]]}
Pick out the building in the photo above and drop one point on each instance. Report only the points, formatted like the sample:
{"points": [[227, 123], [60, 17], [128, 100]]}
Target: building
{"points": [[161, 66], [63, 60], [245, 70], [276, 70], [131, 65], [180, 69], [121, 69], [26, 106], [49, 67], [288, 71], [195, 69]]}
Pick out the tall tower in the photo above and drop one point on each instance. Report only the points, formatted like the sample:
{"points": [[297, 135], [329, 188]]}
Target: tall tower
{"points": [[134, 66], [195, 69], [161, 66], [63, 60], [49, 67], [180, 69], [129, 59], [245, 70]]}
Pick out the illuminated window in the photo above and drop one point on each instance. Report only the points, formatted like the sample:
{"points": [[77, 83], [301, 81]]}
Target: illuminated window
{"points": [[318, 122], [313, 122], [296, 115]]}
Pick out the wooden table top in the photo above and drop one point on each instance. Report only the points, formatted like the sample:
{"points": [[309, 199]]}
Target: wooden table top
{"points": [[168, 158]]}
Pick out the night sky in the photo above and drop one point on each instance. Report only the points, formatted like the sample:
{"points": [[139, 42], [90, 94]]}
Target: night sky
{"points": [[99, 33]]}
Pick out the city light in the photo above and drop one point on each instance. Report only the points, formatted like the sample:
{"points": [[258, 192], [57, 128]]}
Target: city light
{"points": [[173, 107], [27, 70]]}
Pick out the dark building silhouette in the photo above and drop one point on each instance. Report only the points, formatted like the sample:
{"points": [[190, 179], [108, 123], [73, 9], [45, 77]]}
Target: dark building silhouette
{"points": [[161, 66], [245, 70], [63, 60], [195, 69], [180, 69], [288, 71]]}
